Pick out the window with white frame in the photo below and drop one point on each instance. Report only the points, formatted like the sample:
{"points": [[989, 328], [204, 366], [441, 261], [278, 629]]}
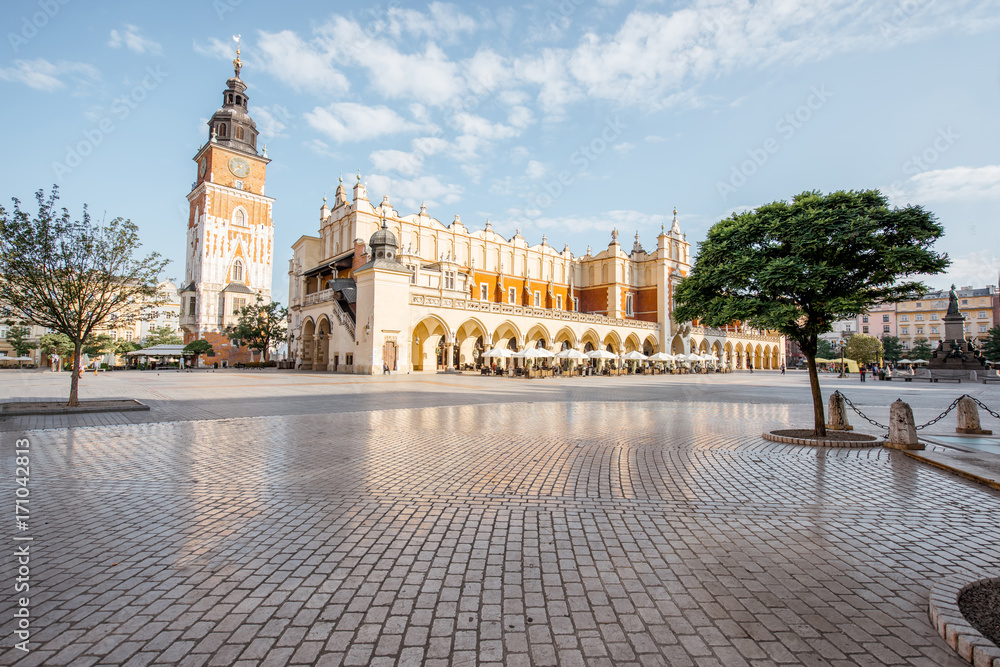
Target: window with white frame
{"points": [[558, 301], [920, 317], [885, 318], [449, 280], [191, 307], [484, 291], [906, 331], [904, 318], [628, 305], [920, 330], [983, 314], [982, 328], [934, 330], [576, 304], [511, 295], [237, 271], [934, 316], [864, 318], [238, 305], [906, 345], [885, 328], [538, 299], [864, 329], [128, 335]]}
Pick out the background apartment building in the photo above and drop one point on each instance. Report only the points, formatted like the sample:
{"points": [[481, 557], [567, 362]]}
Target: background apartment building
{"points": [[924, 317]]}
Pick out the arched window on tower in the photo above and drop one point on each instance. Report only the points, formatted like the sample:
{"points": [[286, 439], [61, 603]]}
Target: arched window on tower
{"points": [[240, 217], [237, 271], [239, 132], [239, 101], [222, 129], [229, 98]]}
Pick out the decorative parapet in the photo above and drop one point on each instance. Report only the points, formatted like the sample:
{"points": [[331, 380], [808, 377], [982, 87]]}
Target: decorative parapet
{"points": [[318, 297], [528, 311], [708, 331]]}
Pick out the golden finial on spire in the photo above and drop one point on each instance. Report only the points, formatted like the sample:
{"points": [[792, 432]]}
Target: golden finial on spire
{"points": [[237, 63]]}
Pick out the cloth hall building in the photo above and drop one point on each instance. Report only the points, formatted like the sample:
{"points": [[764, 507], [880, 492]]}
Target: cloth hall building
{"points": [[377, 290]]}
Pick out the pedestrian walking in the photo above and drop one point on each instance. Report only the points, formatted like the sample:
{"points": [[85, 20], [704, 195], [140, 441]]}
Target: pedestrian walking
{"points": [[862, 371], [782, 369]]}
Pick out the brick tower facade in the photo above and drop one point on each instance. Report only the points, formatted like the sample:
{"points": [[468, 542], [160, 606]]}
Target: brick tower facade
{"points": [[230, 235]]}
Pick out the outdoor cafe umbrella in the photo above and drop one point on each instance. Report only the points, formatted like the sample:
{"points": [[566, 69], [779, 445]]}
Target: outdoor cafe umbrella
{"points": [[661, 356], [601, 354], [919, 361], [634, 356], [499, 353], [535, 353], [903, 362], [571, 354]]}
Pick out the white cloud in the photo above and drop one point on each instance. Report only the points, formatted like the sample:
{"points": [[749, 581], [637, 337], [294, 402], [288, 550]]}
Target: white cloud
{"points": [[41, 74], [133, 41], [271, 120], [481, 128], [978, 269], [318, 146], [430, 145], [443, 21], [624, 147], [625, 220], [302, 65], [520, 117], [654, 139], [535, 169], [216, 48], [348, 121], [427, 189], [958, 183], [402, 162]]}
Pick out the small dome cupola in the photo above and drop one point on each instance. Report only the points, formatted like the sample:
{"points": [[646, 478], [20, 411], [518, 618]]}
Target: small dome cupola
{"points": [[383, 243], [232, 125]]}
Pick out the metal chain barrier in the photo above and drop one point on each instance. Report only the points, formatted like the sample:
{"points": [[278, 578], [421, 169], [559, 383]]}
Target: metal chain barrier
{"points": [[863, 415], [954, 404], [983, 406]]}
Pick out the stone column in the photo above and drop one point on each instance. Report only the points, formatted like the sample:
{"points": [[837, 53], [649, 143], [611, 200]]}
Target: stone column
{"points": [[837, 413], [902, 428], [968, 418]]}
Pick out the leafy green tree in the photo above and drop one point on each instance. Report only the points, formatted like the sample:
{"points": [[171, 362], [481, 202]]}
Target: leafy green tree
{"points": [[921, 349], [57, 343], [259, 326], [991, 344], [863, 348], [197, 347], [96, 346], [825, 349], [71, 275], [799, 266], [123, 347], [163, 335], [892, 348], [17, 337]]}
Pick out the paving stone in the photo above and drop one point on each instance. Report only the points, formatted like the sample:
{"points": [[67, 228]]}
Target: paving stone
{"points": [[331, 519]]}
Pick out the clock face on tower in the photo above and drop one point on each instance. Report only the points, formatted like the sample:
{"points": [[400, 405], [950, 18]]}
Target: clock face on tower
{"points": [[203, 167], [239, 167]]}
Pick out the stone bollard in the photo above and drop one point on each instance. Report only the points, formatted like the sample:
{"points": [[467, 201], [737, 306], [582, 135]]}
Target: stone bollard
{"points": [[968, 417], [837, 411], [902, 428]]}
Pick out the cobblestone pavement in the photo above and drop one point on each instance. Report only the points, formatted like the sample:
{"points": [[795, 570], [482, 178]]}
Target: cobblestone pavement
{"points": [[535, 528]]}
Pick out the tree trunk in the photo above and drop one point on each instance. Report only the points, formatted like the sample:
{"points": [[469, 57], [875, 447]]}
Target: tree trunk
{"points": [[819, 420], [74, 382]]}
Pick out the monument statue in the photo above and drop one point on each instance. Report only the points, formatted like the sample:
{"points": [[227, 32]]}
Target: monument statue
{"points": [[953, 302]]}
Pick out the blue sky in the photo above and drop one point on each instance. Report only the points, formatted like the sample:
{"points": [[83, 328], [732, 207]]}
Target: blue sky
{"points": [[564, 118]]}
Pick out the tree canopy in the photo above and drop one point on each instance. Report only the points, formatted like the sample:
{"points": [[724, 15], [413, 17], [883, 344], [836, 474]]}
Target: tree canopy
{"points": [[260, 326], [17, 337], [991, 344], [162, 335], [71, 275], [797, 267], [921, 349], [892, 348], [863, 348], [198, 347]]}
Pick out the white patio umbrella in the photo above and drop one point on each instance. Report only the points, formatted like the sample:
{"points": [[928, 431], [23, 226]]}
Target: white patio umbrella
{"points": [[634, 355], [661, 356], [498, 353], [535, 353], [920, 361], [601, 354], [571, 354], [903, 362]]}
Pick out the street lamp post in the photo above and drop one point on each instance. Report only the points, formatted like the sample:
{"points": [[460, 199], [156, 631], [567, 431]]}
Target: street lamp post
{"points": [[842, 346]]}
